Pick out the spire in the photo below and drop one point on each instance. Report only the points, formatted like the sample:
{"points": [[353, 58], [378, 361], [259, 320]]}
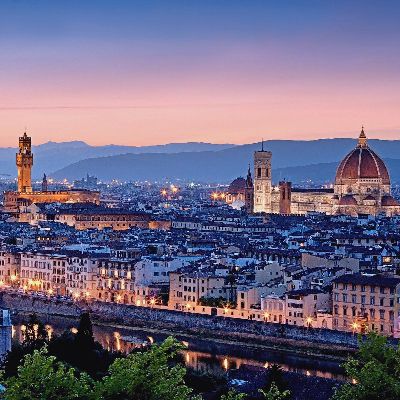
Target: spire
{"points": [[249, 179], [44, 183], [262, 144], [249, 172], [362, 139]]}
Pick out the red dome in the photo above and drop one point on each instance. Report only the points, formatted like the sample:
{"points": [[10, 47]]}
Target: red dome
{"points": [[362, 163], [388, 201], [348, 200], [237, 186]]}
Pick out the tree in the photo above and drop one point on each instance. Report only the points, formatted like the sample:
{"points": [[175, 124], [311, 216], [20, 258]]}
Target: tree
{"points": [[84, 337], [274, 393], [35, 335], [41, 377], [233, 395], [374, 371], [147, 375], [34, 338]]}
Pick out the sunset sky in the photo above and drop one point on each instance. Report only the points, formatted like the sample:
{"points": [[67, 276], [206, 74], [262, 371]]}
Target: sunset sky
{"points": [[151, 72]]}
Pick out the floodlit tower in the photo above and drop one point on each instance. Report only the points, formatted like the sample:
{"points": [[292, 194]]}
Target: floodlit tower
{"points": [[262, 180], [24, 164]]}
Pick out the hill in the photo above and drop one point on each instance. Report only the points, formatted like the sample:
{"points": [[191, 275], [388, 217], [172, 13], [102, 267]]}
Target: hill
{"points": [[52, 156], [296, 160]]}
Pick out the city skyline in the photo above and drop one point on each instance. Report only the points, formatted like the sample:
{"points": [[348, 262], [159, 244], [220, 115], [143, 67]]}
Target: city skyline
{"points": [[145, 73]]}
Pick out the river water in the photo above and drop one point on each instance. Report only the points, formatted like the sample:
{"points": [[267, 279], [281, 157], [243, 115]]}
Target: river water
{"points": [[201, 354]]}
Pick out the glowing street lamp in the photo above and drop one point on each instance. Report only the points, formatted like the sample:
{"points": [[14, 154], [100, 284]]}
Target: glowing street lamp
{"points": [[214, 196], [355, 326], [309, 321], [164, 192]]}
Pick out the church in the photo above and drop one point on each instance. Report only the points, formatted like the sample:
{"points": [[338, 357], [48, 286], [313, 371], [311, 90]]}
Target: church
{"points": [[361, 186], [15, 201]]}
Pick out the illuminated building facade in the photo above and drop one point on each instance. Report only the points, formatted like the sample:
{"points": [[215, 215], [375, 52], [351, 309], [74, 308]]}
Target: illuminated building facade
{"points": [[14, 201], [361, 186]]}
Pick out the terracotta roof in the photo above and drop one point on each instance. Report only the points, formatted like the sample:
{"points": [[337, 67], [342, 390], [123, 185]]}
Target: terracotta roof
{"points": [[362, 163], [389, 201], [348, 200], [237, 186]]}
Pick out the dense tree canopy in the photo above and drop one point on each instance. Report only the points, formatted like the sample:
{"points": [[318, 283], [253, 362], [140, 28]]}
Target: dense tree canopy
{"points": [[374, 372]]}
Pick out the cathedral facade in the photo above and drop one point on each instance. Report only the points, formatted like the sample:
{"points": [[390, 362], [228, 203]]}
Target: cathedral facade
{"points": [[361, 186], [15, 201]]}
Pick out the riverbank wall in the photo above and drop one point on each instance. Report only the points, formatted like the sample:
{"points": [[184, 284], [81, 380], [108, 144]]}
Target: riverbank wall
{"points": [[252, 332]]}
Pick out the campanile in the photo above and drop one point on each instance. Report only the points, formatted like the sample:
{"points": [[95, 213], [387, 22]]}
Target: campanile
{"points": [[262, 181]]}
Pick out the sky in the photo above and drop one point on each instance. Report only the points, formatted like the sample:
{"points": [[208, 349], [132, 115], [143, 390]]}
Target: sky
{"points": [[156, 71]]}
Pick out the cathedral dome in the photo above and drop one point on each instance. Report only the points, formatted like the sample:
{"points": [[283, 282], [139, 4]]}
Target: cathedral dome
{"points": [[362, 163], [237, 186]]}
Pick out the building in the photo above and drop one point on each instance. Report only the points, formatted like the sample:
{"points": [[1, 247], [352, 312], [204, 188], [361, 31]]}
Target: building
{"points": [[262, 181], [186, 289], [96, 217], [24, 160], [362, 183], [361, 186], [302, 306], [24, 196], [115, 281], [240, 193], [367, 302]]}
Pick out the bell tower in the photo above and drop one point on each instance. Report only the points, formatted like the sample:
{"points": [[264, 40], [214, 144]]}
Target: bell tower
{"points": [[262, 180], [24, 164]]}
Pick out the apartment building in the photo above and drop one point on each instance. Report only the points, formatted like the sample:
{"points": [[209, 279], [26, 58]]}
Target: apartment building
{"points": [[302, 306], [366, 302], [187, 288]]}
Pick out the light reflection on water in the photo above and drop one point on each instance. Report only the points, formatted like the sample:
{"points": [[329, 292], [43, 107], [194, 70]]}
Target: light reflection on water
{"points": [[220, 358]]}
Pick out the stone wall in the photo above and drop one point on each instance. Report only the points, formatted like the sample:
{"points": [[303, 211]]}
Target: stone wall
{"points": [[201, 325]]}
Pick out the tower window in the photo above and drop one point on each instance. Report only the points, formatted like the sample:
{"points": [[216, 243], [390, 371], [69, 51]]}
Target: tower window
{"points": [[259, 172]]}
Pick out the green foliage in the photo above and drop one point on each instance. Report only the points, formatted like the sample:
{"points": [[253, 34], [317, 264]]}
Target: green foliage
{"points": [[80, 351], [233, 395], [375, 371], [146, 376], [274, 393], [35, 337], [41, 377], [212, 302]]}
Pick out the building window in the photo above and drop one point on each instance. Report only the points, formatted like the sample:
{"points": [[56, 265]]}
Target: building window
{"points": [[372, 300]]}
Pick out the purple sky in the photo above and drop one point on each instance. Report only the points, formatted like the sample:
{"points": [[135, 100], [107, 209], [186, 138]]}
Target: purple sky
{"points": [[147, 72]]}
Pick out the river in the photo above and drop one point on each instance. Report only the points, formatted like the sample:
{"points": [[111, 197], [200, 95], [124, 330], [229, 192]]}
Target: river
{"points": [[201, 354]]}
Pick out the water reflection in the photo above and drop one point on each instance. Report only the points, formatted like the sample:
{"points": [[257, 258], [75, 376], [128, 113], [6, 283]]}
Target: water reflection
{"points": [[200, 354]]}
